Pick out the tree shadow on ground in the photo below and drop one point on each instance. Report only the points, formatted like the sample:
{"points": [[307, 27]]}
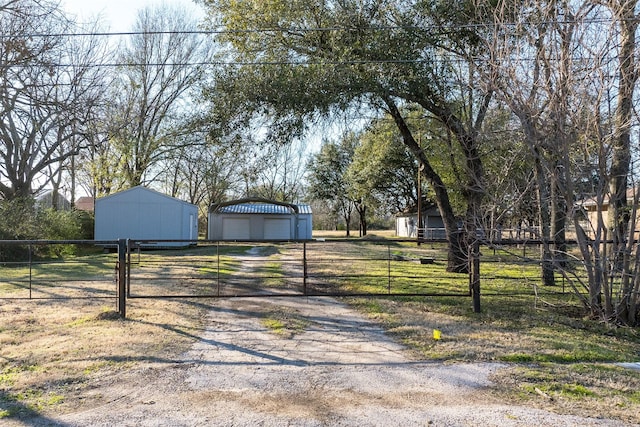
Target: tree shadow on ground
{"points": [[12, 408]]}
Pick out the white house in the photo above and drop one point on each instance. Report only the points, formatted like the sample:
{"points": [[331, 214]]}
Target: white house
{"points": [[255, 219], [143, 214]]}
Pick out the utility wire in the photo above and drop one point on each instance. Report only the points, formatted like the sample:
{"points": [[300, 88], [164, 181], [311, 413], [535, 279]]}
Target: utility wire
{"points": [[285, 62], [427, 28]]}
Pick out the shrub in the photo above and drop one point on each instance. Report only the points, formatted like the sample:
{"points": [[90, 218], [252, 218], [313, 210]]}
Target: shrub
{"points": [[21, 220], [18, 220]]}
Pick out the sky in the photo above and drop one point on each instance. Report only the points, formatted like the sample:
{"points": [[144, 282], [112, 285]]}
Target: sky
{"points": [[118, 15]]}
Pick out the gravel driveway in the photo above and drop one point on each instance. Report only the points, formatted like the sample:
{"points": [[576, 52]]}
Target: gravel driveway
{"points": [[339, 370]]}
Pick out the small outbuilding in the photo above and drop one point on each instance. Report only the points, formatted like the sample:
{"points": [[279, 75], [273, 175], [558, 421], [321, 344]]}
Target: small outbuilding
{"points": [[594, 209], [255, 219], [140, 213], [432, 224], [47, 198]]}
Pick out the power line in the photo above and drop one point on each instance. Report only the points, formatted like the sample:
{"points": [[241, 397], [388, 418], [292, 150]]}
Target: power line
{"points": [[426, 28], [288, 62], [229, 63]]}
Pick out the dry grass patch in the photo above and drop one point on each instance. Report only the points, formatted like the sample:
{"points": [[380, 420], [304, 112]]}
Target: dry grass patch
{"points": [[594, 390], [50, 350], [570, 360]]}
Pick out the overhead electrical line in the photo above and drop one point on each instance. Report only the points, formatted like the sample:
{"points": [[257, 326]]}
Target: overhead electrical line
{"points": [[321, 29]]}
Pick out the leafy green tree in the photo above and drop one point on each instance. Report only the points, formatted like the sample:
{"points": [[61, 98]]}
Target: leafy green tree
{"points": [[327, 179], [305, 59], [383, 170]]}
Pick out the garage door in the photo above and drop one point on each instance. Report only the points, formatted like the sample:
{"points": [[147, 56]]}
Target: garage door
{"points": [[236, 229], [277, 229]]}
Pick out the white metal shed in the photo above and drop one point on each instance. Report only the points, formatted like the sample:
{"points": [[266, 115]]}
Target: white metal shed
{"points": [[407, 224], [140, 213], [255, 219]]}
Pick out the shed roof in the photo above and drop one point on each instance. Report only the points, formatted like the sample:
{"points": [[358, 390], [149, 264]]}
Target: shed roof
{"points": [[258, 206], [252, 208], [142, 189], [593, 202]]}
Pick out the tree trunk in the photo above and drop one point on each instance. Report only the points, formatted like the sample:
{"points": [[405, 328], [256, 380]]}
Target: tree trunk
{"points": [[559, 219], [346, 215], [457, 256], [544, 217], [620, 162], [362, 212]]}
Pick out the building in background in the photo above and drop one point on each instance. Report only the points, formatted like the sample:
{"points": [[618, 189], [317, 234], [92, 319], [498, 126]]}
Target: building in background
{"points": [[255, 219], [432, 224], [143, 214]]}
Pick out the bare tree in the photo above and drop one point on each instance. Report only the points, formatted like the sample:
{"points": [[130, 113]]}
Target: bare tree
{"points": [[48, 87], [201, 171], [563, 99], [159, 68], [277, 171], [538, 91]]}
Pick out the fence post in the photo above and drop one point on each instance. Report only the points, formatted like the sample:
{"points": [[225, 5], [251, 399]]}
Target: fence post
{"points": [[304, 268], [129, 267], [218, 268], [122, 277], [30, 272], [389, 268], [474, 274]]}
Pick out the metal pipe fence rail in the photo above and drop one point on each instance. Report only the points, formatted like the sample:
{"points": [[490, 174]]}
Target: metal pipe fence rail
{"points": [[51, 270], [216, 269]]}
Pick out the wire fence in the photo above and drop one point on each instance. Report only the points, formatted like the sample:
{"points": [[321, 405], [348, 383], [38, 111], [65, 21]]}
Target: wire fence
{"points": [[51, 269]]}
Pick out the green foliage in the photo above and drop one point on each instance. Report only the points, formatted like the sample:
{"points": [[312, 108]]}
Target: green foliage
{"points": [[383, 172], [20, 219], [328, 176], [58, 225], [17, 222]]}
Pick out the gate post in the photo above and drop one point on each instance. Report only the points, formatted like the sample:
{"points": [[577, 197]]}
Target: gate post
{"points": [[121, 279], [128, 280], [304, 267], [474, 274]]}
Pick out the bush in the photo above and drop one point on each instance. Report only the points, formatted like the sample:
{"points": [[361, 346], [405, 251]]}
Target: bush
{"points": [[58, 225], [64, 225], [21, 220], [17, 220], [86, 221]]}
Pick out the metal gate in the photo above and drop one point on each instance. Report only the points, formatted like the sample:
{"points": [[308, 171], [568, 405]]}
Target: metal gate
{"points": [[214, 269]]}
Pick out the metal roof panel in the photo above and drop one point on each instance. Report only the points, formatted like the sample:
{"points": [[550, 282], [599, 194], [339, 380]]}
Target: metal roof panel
{"points": [[261, 208]]}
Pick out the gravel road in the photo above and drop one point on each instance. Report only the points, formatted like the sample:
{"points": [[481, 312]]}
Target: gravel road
{"points": [[339, 370]]}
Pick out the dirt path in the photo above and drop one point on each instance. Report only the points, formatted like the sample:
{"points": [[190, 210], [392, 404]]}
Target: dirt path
{"points": [[340, 370]]}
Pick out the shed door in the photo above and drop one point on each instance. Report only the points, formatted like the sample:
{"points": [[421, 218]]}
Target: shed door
{"points": [[277, 229], [236, 229]]}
